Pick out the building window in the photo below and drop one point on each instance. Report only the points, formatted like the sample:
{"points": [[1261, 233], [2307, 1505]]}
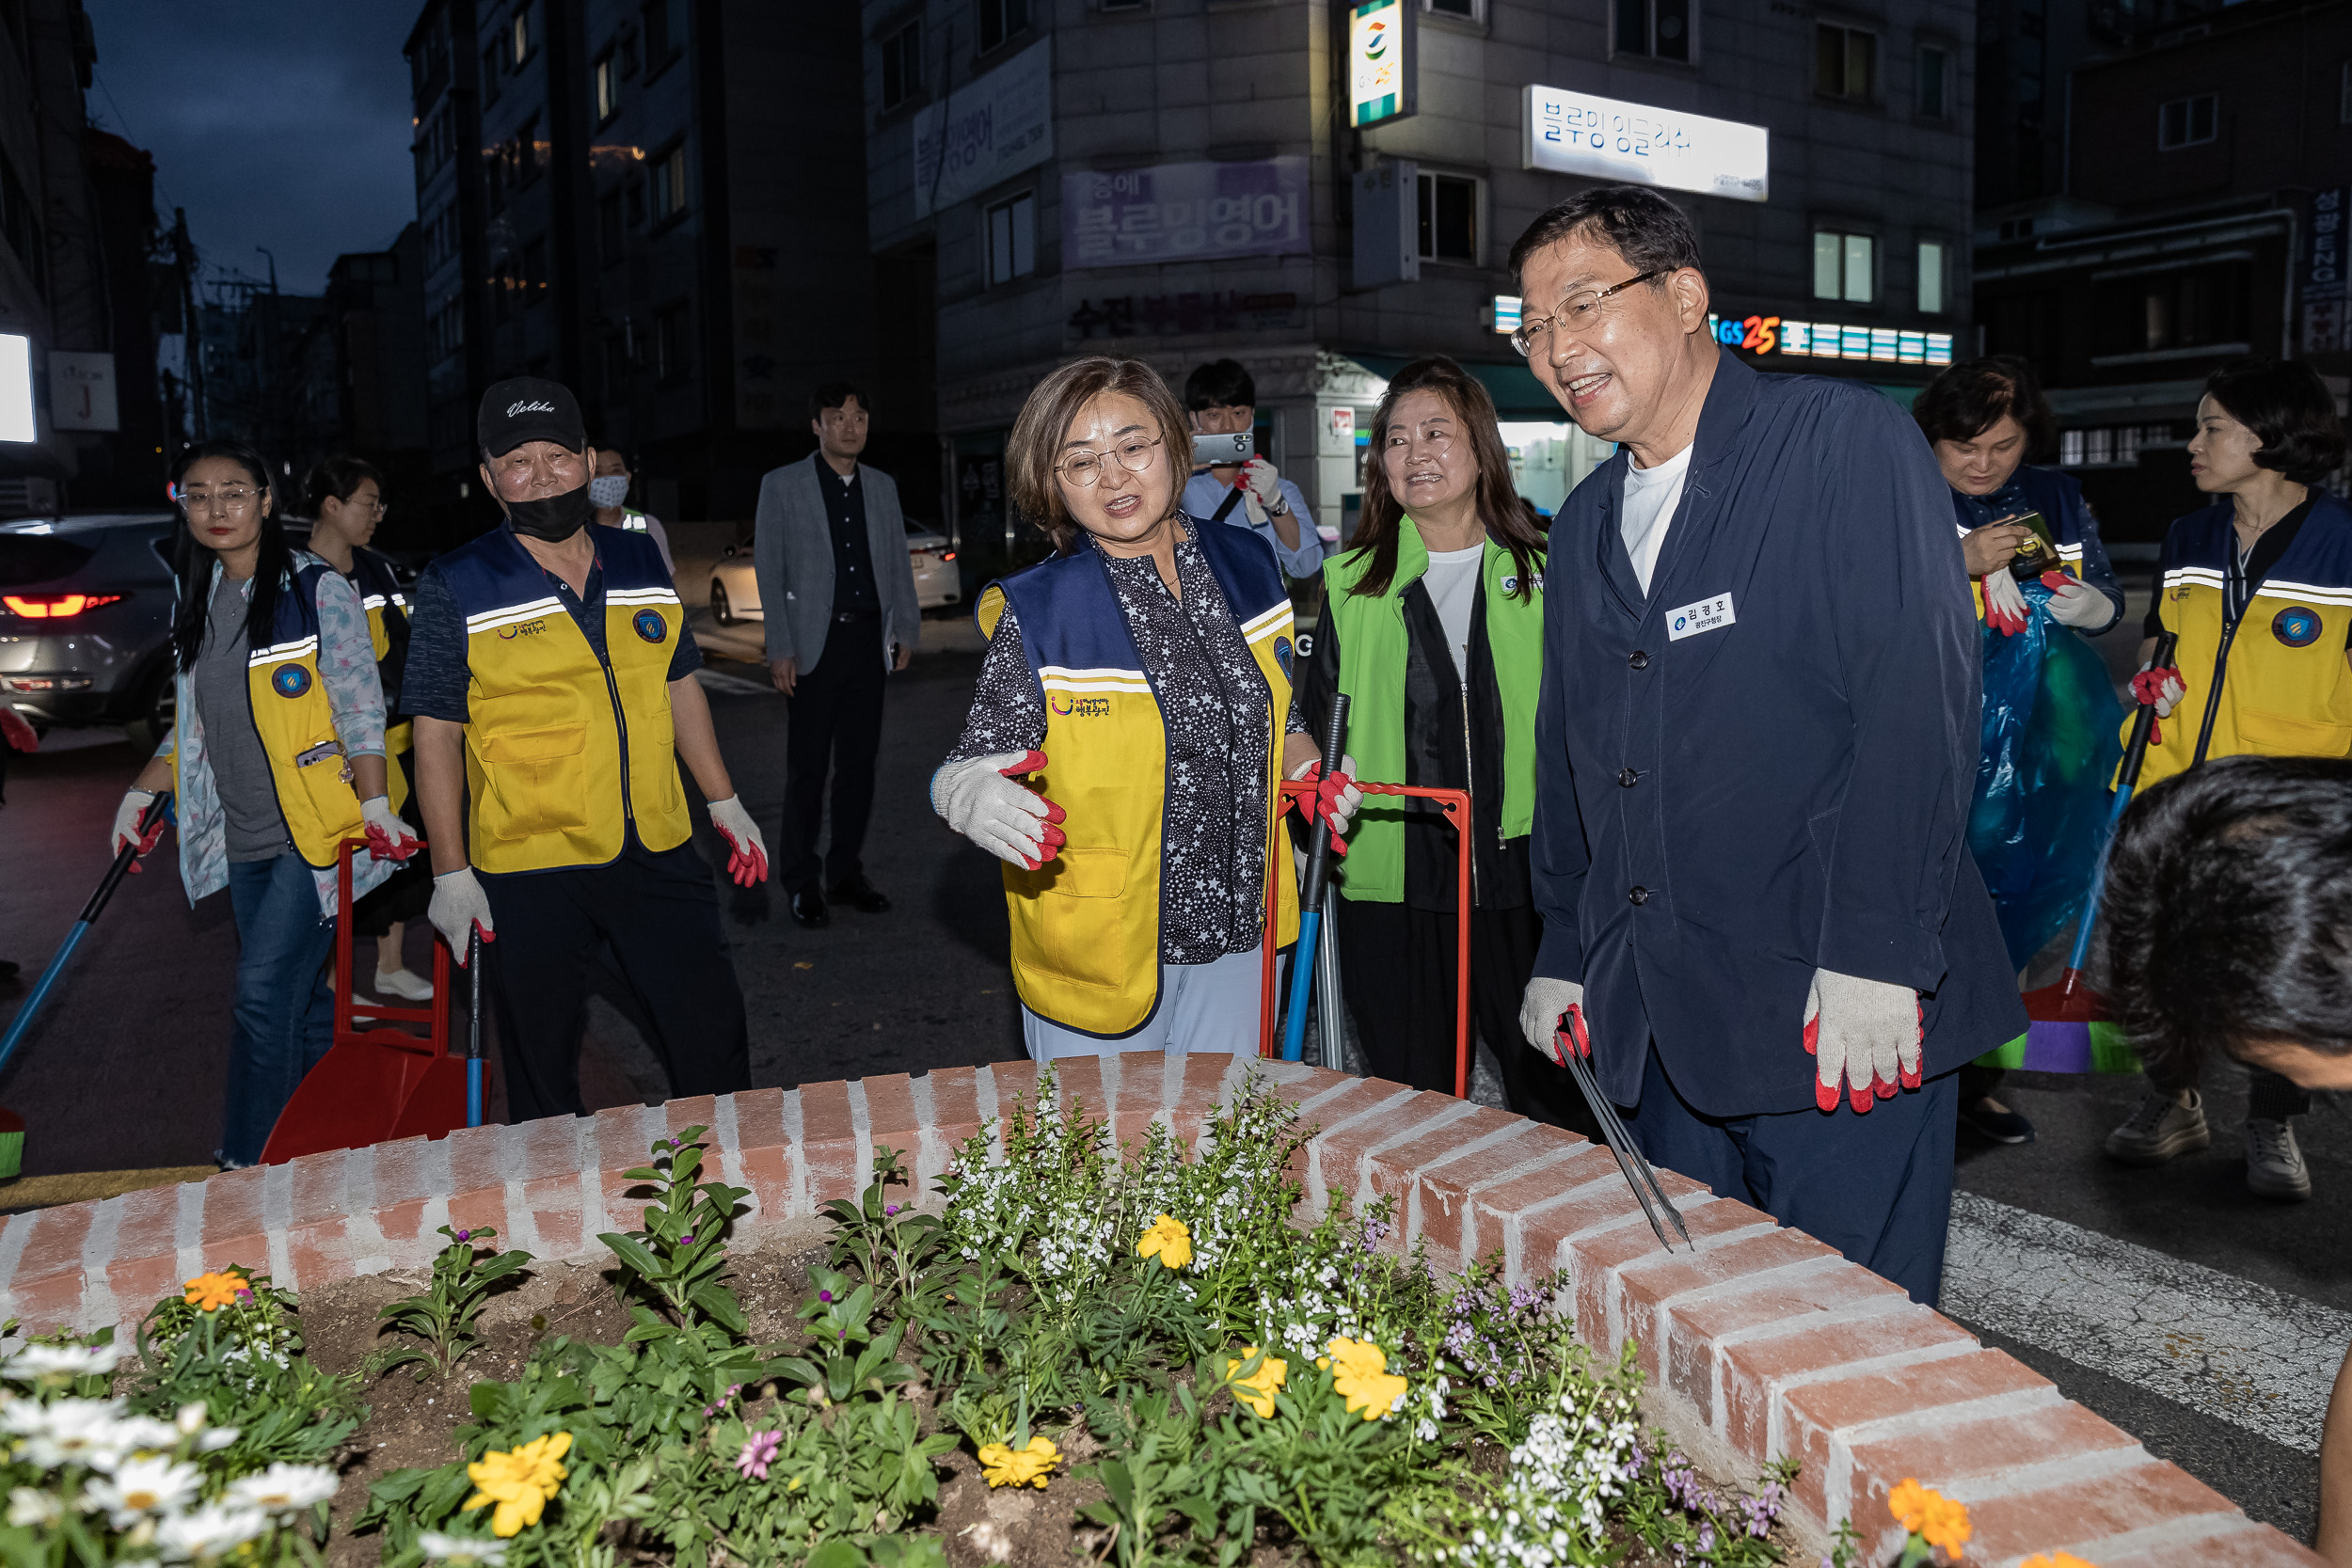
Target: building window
{"points": [[608, 228], [18, 223], [1659, 28], [1012, 239], [669, 184], [673, 344], [628, 53], [1932, 286], [1935, 75], [1000, 20], [522, 33], [1845, 62], [2208, 308], [665, 32], [1845, 267], [902, 65], [1449, 217], [493, 62], [2187, 122], [607, 87], [1453, 8]]}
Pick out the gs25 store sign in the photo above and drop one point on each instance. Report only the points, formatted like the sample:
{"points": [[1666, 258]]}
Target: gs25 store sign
{"points": [[1755, 334]]}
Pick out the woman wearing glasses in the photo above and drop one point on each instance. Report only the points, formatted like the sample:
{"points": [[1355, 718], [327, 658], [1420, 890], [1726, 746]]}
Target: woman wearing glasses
{"points": [[275, 756], [346, 500], [1433, 626], [1141, 681]]}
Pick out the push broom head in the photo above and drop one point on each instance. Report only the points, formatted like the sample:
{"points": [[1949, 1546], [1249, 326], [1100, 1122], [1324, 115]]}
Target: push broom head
{"points": [[11, 1145]]}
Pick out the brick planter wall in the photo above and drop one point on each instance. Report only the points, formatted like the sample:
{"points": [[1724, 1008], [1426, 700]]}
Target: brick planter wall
{"points": [[1760, 1342]]}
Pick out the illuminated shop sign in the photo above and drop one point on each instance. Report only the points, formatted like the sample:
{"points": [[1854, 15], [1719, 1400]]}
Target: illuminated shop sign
{"points": [[1382, 67], [1832, 340], [1506, 314], [1580, 133]]}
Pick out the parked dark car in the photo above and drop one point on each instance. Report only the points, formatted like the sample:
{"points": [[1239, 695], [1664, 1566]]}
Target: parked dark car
{"points": [[85, 621]]}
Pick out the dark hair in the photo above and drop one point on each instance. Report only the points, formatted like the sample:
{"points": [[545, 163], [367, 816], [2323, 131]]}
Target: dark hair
{"points": [[1510, 520], [1650, 232], [2290, 408], [832, 394], [1220, 384], [337, 477], [1035, 445], [2229, 911], [1970, 398], [192, 563]]}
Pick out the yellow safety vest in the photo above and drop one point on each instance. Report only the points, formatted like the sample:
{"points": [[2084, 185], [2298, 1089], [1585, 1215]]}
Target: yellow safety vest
{"points": [[1086, 924], [566, 753]]}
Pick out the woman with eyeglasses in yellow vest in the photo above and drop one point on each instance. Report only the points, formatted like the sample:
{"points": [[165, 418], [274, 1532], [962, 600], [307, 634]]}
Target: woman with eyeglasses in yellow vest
{"points": [[346, 498], [275, 756], [1433, 628], [2258, 589], [1141, 681]]}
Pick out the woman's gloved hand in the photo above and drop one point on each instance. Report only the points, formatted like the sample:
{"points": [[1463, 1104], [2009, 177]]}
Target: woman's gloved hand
{"points": [[1011, 822], [459, 902], [1336, 798], [388, 837], [747, 859], [2076, 603], [2162, 691], [126, 830], [1548, 1007], [1865, 1032], [2004, 602]]}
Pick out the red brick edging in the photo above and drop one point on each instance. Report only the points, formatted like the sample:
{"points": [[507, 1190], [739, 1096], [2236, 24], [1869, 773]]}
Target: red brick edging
{"points": [[1760, 1342]]}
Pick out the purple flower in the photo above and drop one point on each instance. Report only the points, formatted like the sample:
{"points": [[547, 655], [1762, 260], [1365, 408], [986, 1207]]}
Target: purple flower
{"points": [[759, 1450], [464, 1235], [840, 1333], [687, 1240], [672, 1143], [889, 1208], [824, 1296]]}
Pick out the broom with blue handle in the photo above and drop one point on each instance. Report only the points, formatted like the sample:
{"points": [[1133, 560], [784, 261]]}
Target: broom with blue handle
{"points": [[1310, 898]]}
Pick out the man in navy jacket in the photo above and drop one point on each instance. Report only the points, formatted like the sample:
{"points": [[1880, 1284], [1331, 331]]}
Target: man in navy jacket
{"points": [[1754, 747]]}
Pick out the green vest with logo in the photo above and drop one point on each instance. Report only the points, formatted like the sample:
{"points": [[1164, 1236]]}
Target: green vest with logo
{"points": [[1373, 650]]}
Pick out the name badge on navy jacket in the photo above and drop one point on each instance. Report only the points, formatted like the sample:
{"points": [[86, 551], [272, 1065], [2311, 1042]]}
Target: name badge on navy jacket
{"points": [[1706, 615]]}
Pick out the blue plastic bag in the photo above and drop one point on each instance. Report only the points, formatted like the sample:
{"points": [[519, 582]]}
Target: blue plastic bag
{"points": [[2049, 747]]}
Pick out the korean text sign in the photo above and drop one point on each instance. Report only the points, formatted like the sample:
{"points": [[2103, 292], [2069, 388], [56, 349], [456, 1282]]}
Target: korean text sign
{"points": [[985, 131], [1185, 212], [1581, 133]]}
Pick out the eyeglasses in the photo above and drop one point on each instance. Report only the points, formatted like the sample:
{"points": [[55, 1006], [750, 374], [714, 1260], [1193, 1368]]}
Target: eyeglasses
{"points": [[1134, 454], [1575, 313], [230, 497]]}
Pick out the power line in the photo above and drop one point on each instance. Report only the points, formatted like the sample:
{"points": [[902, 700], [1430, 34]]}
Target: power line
{"points": [[124, 120]]}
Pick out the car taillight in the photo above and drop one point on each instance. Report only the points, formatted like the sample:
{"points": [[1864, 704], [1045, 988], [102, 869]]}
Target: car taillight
{"points": [[56, 607]]}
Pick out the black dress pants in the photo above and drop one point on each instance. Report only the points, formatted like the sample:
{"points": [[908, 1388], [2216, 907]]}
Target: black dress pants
{"points": [[1397, 968], [836, 724], [660, 916]]}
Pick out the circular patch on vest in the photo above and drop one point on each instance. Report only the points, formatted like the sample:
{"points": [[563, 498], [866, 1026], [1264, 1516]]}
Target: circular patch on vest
{"points": [[1510, 586], [2296, 627], [1282, 654], [650, 625], [289, 680]]}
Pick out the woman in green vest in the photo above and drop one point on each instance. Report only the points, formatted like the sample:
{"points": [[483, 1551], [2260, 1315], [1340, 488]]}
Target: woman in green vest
{"points": [[1432, 626]]}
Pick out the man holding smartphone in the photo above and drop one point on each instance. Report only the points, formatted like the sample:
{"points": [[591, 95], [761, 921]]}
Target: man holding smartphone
{"points": [[1230, 483]]}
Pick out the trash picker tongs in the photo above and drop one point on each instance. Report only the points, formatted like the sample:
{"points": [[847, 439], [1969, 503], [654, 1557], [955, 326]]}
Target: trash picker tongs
{"points": [[1575, 1046]]}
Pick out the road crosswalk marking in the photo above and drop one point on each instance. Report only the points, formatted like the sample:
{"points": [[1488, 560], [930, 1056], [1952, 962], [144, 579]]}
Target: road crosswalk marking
{"points": [[2229, 1348]]}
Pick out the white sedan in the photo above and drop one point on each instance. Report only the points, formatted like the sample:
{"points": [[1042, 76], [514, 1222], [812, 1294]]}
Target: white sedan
{"points": [[734, 586]]}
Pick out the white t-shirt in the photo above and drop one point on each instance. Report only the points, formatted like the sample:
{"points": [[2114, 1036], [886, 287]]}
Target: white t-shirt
{"points": [[1650, 498], [1453, 585]]}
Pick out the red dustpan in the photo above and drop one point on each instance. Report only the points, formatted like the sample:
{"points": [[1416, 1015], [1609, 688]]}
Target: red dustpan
{"points": [[2072, 1028], [379, 1082]]}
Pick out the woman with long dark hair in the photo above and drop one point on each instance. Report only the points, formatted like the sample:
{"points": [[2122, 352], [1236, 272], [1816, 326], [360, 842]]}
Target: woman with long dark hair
{"points": [[345, 499], [275, 757], [1432, 626]]}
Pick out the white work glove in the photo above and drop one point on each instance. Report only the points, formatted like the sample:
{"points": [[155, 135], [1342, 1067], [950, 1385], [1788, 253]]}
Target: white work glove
{"points": [[388, 837], [2004, 602], [2077, 604], [1336, 798], [1865, 1032], [747, 860], [458, 902], [1265, 484], [1011, 821], [126, 830], [1549, 1006]]}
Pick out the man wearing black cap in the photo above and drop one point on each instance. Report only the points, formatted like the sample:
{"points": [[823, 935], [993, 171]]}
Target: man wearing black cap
{"points": [[552, 683]]}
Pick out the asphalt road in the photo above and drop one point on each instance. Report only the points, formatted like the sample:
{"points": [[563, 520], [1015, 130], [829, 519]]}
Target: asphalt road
{"points": [[2201, 1319]]}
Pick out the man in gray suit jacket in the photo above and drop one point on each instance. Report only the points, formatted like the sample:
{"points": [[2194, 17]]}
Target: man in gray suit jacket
{"points": [[836, 588]]}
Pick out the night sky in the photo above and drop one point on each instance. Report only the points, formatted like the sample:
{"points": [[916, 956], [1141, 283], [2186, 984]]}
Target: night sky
{"points": [[275, 122]]}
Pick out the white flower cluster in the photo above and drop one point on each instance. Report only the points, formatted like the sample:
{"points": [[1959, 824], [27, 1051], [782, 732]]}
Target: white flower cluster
{"points": [[1051, 1200], [1304, 1307], [1551, 1512]]}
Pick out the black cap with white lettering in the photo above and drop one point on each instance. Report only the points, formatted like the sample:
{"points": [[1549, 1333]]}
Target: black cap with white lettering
{"points": [[529, 408]]}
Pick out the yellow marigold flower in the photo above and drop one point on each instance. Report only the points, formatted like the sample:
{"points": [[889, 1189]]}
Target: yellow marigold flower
{"points": [[1257, 1389], [1168, 1240], [1946, 1525], [520, 1481], [1908, 1503], [210, 1292], [2055, 1560], [1359, 1371], [1002, 1465]]}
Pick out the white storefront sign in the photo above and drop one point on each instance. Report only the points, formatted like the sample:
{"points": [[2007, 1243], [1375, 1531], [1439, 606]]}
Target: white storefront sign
{"points": [[81, 391], [1581, 132], [985, 131]]}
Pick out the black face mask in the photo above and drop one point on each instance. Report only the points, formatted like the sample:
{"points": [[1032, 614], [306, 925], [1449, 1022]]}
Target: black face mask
{"points": [[554, 519]]}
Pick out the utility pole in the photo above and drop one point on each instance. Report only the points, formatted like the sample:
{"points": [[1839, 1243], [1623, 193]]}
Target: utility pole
{"points": [[183, 255]]}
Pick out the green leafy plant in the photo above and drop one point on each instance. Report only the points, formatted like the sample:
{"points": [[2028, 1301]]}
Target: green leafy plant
{"points": [[676, 1257], [444, 1317]]}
